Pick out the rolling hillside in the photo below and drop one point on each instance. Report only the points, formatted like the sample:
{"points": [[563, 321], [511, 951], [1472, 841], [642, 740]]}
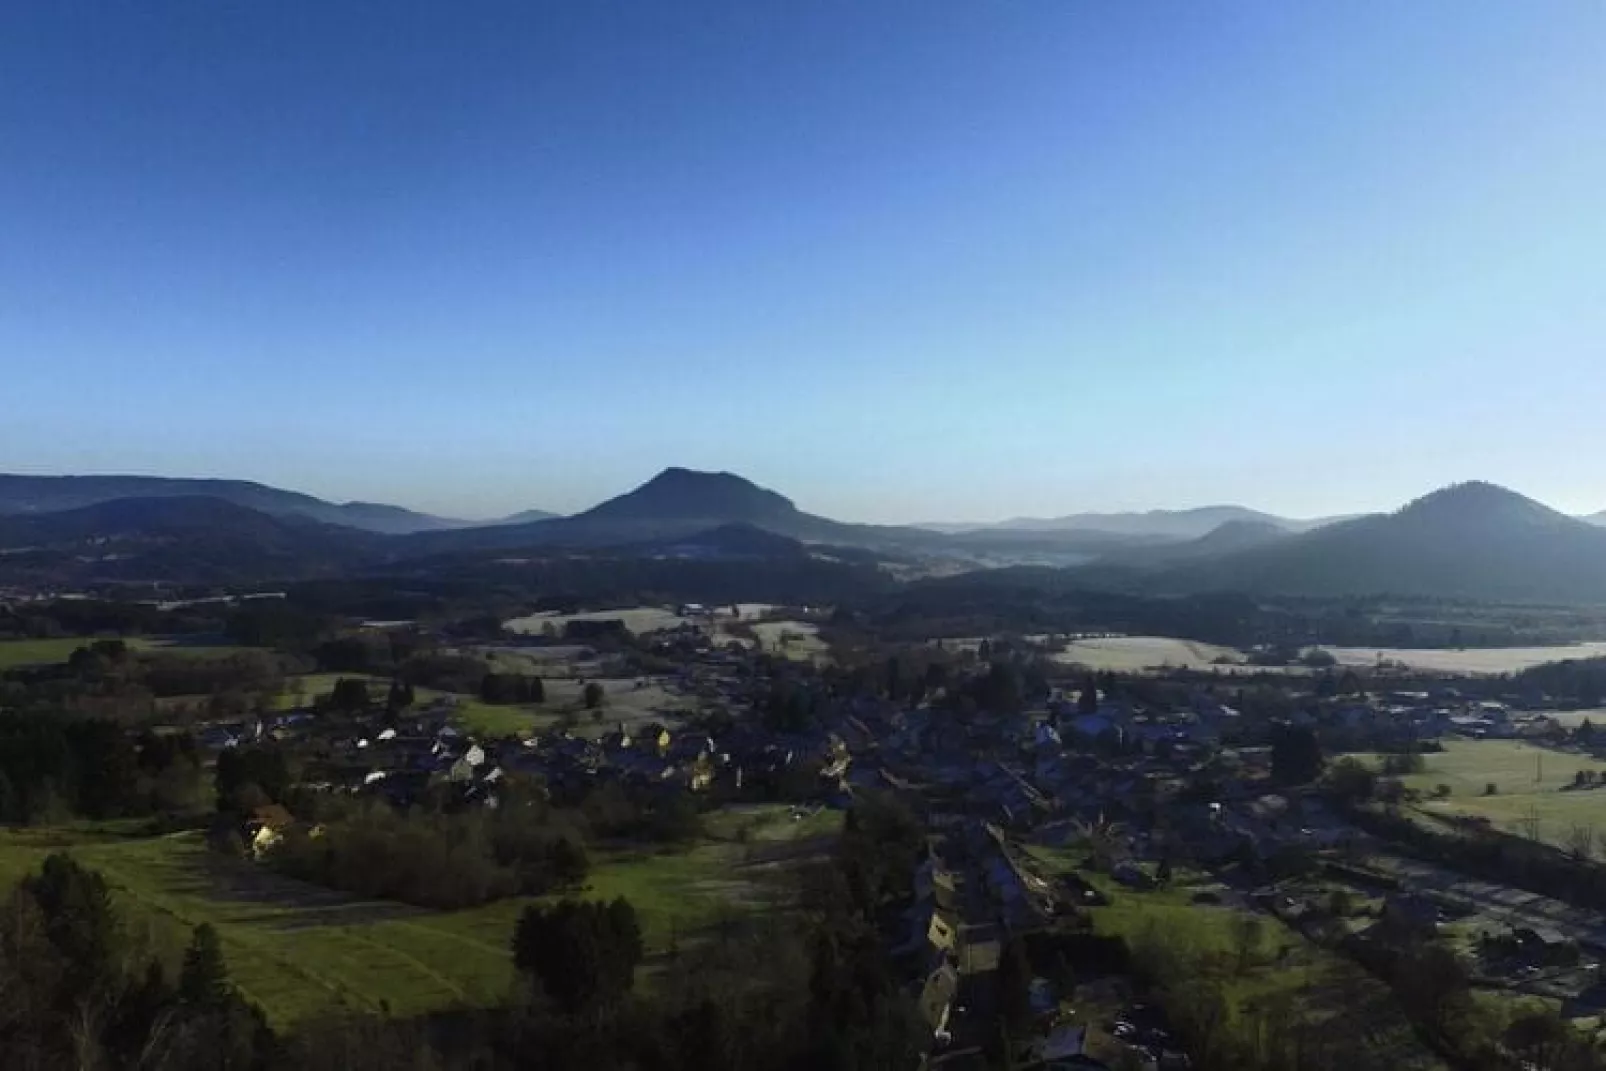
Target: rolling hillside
{"points": [[1472, 541], [675, 503], [27, 495], [1229, 538], [188, 540]]}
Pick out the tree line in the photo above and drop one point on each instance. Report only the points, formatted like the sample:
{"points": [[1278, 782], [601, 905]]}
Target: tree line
{"points": [[76, 989], [108, 678], [439, 860], [1579, 681], [806, 987], [54, 770]]}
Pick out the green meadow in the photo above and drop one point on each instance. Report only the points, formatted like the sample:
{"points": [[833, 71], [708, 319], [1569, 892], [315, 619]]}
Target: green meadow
{"points": [[299, 950]]}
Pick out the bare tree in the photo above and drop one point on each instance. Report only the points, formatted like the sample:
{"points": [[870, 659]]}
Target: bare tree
{"points": [[1528, 825], [1206, 1016], [1580, 842], [1103, 840], [1247, 931], [84, 1025]]}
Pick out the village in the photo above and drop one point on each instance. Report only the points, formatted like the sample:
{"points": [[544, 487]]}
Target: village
{"points": [[1053, 817]]}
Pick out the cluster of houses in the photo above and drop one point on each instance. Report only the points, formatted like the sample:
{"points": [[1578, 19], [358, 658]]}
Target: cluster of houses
{"points": [[399, 758], [1170, 784], [971, 893]]}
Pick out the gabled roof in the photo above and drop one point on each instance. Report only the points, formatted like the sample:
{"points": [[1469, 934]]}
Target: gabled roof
{"points": [[272, 816]]}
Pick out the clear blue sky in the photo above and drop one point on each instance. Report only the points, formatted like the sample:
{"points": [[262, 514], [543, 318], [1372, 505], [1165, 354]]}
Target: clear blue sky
{"points": [[908, 259]]}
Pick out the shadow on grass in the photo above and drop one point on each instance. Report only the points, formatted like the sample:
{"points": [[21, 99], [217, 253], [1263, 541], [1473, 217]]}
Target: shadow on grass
{"points": [[291, 904], [242, 892]]}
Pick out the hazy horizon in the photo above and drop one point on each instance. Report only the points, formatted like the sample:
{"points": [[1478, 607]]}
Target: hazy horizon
{"points": [[1048, 512], [937, 261]]}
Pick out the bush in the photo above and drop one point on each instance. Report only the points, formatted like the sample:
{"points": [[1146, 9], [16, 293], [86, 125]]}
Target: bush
{"points": [[503, 688], [436, 860], [583, 954], [1408, 762], [614, 811]]}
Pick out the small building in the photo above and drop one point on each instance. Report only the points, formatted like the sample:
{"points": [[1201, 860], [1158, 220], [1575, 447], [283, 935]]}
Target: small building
{"points": [[980, 949], [937, 998], [266, 827], [1545, 947]]}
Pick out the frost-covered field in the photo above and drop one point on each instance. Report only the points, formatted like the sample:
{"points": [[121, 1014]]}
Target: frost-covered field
{"points": [[1482, 660], [638, 619], [1133, 653]]}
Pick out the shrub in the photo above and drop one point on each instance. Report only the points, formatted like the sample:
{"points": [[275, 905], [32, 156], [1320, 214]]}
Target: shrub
{"points": [[437, 860]]}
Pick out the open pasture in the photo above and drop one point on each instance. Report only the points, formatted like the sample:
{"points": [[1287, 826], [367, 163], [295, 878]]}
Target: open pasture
{"points": [[1471, 661], [1515, 768], [636, 619], [300, 950], [630, 701], [1134, 654], [798, 640], [14, 653], [1533, 785]]}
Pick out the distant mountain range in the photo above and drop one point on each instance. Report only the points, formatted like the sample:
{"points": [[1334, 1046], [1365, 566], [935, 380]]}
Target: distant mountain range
{"points": [[728, 542], [526, 517], [1158, 523], [1471, 541], [1230, 537], [675, 503], [186, 539], [53, 494]]}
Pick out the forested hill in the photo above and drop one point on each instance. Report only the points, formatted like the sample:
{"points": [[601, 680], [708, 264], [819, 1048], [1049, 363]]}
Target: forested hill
{"points": [[189, 540], [29, 495], [675, 503], [1470, 541]]}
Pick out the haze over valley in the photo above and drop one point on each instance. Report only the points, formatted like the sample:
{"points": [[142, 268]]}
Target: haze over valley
{"points": [[741, 535], [1470, 541]]}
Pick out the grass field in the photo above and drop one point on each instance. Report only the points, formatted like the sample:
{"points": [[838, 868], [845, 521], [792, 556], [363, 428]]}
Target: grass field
{"points": [[1515, 768], [308, 687], [1136, 653], [1205, 927], [15, 653], [191, 649], [1284, 966], [566, 660], [624, 701], [1132, 654], [637, 619], [298, 950], [497, 720], [797, 640], [1572, 719], [772, 823], [1471, 661], [1528, 780]]}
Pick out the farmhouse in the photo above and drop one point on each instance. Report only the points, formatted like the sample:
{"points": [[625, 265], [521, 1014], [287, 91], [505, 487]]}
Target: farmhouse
{"points": [[266, 827]]}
